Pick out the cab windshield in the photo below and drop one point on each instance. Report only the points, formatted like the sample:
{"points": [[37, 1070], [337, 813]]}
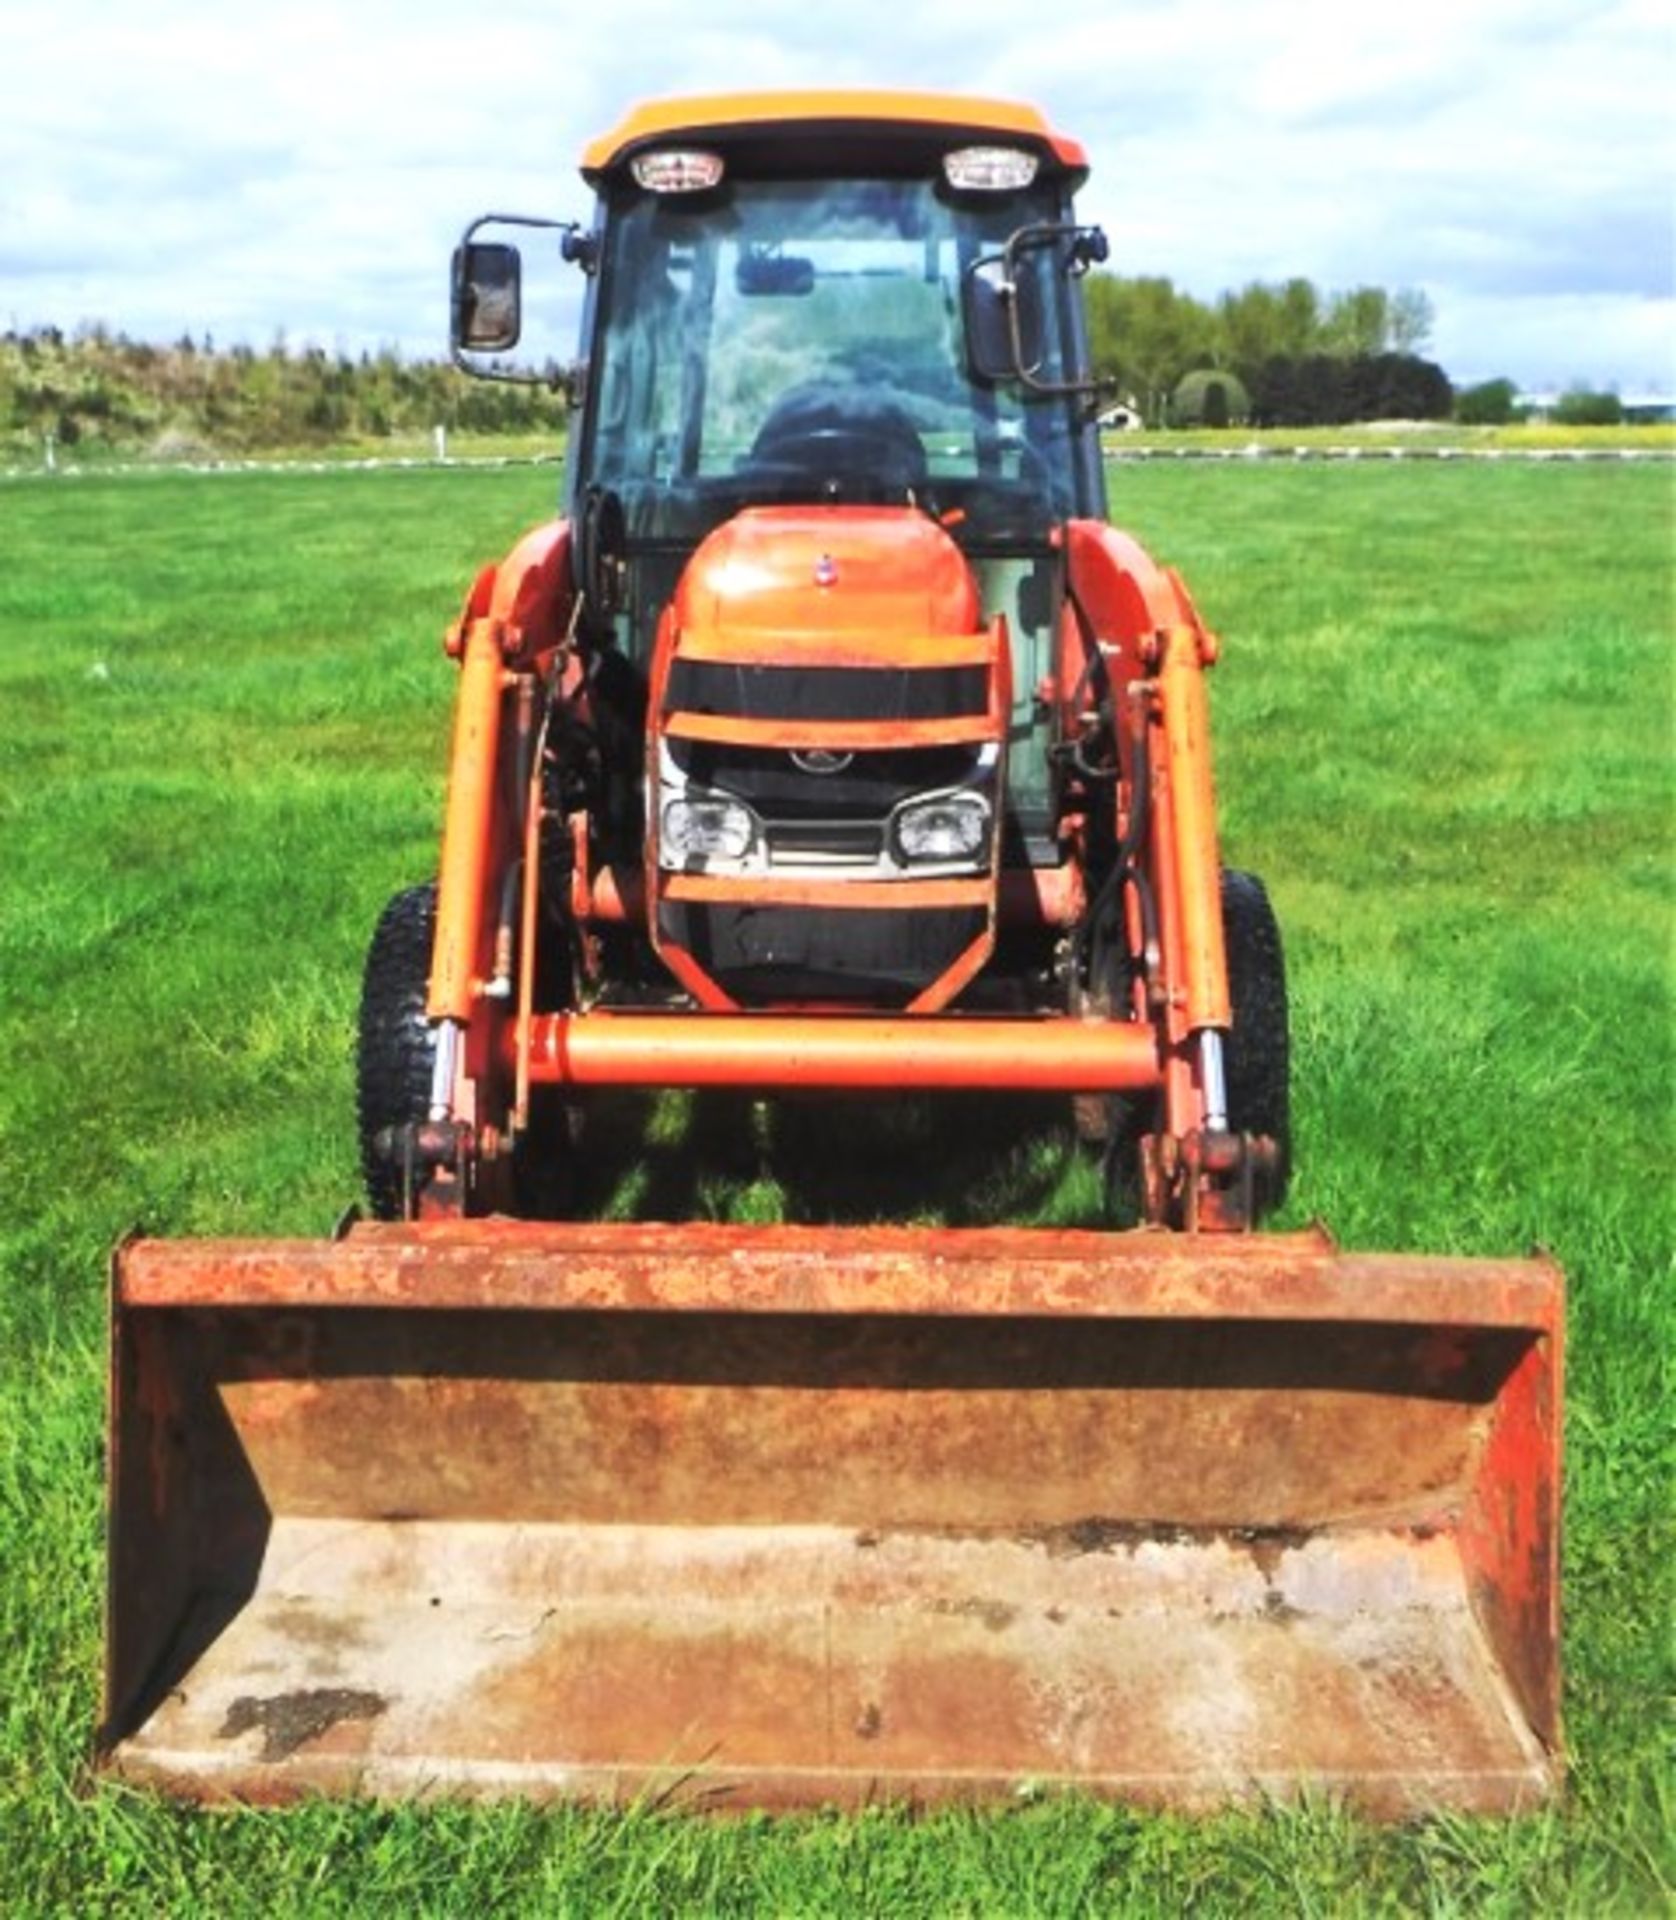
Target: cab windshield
{"points": [[782, 340]]}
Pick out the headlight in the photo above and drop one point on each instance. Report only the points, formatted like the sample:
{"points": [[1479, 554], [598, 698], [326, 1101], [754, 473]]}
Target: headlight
{"points": [[708, 827], [989, 169], [678, 170], [947, 826]]}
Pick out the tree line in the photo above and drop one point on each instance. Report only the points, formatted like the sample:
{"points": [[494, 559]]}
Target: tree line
{"points": [[1280, 353], [97, 388], [1277, 353]]}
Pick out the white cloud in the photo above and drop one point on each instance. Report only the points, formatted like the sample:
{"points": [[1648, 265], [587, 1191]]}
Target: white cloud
{"points": [[180, 165]]}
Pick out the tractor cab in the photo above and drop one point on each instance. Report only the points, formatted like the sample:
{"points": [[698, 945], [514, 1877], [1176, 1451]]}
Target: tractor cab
{"points": [[831, 302]]}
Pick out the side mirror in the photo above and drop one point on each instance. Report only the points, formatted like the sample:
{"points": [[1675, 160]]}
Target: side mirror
{"points": [[487, 297], [1003, 314], [1007, 300]]}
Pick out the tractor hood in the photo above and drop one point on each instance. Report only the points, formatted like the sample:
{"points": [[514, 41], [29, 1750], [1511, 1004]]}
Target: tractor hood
{"points": [[853, 586]]}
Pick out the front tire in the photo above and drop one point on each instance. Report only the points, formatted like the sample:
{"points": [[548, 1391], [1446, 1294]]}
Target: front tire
{"points": [[1257, 1059], [394, 1047]]}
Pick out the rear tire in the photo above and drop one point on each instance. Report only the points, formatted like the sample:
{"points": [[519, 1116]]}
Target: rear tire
{"points": [[1258, 1055], [394, 1050]]}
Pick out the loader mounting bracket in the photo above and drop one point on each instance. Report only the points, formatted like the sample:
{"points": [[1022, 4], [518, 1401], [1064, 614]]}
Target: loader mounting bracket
{"points": [[1218, 1174], [432, 1156]]}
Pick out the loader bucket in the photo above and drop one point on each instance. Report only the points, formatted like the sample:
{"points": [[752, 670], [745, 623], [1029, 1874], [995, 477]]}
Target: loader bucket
{"points": [[770, 1516]]}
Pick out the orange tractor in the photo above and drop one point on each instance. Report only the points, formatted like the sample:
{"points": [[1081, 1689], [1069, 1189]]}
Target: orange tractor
{"points": [[831, 744]]}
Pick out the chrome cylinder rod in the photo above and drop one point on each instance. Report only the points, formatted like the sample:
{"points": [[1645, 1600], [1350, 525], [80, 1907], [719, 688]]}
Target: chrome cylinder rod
{"points": [[444, 1063], [1213, 1079]]}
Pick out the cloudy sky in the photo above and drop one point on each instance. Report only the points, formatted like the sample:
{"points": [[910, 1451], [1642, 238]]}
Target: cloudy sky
{"points": [[172, 165]]}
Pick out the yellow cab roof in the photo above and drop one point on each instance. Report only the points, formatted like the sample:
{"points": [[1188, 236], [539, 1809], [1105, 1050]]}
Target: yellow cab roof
{"points": [[721, 117]]}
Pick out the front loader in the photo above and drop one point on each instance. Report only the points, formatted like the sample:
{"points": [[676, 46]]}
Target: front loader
{"points": [[831, 746]]}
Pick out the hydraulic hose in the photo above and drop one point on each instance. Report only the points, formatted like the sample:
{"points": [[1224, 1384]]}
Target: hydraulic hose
{"points": [[1109, 896]]}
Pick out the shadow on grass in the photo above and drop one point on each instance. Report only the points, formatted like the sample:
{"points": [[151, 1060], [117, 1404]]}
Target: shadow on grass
{"points": [[953, 1160]]}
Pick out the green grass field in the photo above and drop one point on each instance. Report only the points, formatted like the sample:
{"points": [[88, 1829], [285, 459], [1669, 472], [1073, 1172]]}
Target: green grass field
{"points": [[1445, 728]]}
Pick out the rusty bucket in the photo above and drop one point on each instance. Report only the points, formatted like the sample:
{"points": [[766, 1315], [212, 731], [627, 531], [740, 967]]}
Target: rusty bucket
{"points": [[773, 1516]]}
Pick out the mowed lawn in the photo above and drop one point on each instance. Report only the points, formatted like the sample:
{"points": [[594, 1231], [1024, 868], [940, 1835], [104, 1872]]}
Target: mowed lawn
{"points": [[1445, 723]]}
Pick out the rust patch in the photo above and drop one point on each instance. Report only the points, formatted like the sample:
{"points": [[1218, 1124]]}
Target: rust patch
{"points": [[1099, 1535], [995, 1614], [308, 1626], [290, 1720], [1267, 1544]]}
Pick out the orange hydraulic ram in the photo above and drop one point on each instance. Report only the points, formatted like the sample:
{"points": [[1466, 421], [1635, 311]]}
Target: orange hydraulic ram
{"points": [[466, 837], [1181, 685], [920, 1052]]}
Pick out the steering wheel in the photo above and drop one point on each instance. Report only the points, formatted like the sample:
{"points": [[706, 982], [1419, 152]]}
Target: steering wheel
{"points": [[861, 461]]}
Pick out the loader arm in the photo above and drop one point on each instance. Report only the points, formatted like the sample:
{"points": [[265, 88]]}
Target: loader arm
{"points": [[1140, 622]]}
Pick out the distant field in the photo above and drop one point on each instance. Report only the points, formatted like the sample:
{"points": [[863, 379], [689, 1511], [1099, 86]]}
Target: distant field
{"points": [[1417, 436], [1445, 723]]}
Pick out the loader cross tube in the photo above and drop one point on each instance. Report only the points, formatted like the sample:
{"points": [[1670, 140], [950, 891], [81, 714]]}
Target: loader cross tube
{"points": [[766, 1052]]}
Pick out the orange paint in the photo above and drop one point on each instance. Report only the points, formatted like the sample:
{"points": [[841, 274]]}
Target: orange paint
{"points": [[468, 834], [887, 570], [1142, 619], [835, 735], [841, 1050], [1026, 897], [532, 593], [1197, 859], [836, 893]]}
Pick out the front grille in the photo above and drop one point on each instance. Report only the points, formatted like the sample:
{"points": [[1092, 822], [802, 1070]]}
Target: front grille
{"points": [[833, 824], [824, 840], [826, 693]]}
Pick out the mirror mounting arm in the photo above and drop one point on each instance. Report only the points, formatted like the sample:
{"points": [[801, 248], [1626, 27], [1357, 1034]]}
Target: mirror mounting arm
{"points": [[1086, 246], [576, 245], [579, 247], [1083, 247]]}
